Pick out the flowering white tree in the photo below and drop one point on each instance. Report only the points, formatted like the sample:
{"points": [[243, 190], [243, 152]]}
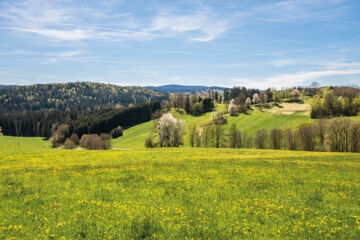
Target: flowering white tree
{"points": [[247, 102], [256, 98], [232, 107], [170, 131], [295, 94]]}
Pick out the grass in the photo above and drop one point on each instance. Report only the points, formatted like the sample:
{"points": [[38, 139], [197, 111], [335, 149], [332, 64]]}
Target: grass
{"points": [[135, 137], [176, 193]]}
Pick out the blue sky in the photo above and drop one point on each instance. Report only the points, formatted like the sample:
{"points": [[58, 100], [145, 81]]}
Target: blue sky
{"points": [[197, 42]]}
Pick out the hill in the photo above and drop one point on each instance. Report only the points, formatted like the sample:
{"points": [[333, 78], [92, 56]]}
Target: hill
{"points": [[6, 86], [173, 88], [287, 117], [73, 95], [176, 193]]}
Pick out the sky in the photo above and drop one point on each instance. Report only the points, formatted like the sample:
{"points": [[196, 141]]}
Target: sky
{"points": [[257, 44]]}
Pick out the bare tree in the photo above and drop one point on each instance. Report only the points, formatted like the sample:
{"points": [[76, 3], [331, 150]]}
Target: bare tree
{"points": [[355, 136], [276, 139], [339, 135], [1, 133], [219, 120], [263, 97], [261, 138], [58, 136], [192, 134], [91, 141], [307, 137], [235, 139], [290, 140]]}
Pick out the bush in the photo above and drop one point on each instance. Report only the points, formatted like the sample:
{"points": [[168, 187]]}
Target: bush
{"points": [[69, 144], [116, 132], [58, 137], [105, 141], [75, 139], [149, 142], [91, 141]]}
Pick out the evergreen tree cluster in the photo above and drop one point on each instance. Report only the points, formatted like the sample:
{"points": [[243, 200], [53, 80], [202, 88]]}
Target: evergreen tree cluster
{"points": [[73, 95], [43, 123]]}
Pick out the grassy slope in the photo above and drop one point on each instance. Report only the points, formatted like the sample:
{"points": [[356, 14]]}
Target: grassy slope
{"points": [[135, 137], [176, 193]]}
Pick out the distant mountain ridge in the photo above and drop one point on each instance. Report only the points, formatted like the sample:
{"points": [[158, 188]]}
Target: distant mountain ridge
{"points": [[174, 88]]}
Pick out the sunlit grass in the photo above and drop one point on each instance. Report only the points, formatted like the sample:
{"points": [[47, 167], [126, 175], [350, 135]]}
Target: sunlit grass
{"points": [[176, 193]]}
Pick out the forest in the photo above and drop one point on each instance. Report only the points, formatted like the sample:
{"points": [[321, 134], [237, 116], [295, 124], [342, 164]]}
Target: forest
{"points": [[73, 95]]}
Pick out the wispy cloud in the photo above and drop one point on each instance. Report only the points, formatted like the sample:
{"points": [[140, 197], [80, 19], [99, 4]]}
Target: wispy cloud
{"points": [[199, 26], [301, 78], [295, 10]]}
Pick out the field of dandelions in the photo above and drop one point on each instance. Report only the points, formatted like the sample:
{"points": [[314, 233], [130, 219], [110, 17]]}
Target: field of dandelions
{"points": [[176, 193]]}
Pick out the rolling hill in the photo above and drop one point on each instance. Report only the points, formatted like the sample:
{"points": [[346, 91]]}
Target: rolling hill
{"points": [[73, 95], [255, 120]]}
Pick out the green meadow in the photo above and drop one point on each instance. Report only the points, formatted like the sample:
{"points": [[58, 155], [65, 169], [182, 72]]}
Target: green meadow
{"points": [[176, 193], [250, 123]]}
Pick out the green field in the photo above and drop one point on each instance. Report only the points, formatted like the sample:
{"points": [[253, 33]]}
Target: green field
{"points": [[178, 193], [255, 120]]}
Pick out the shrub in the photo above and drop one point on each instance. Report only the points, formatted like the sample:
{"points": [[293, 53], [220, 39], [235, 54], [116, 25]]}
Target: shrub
{"points": [[295, 94], [149, 142], [58, 137], [105, 141], [91, 141], [75, 139], [117, 132], [69, 144]]}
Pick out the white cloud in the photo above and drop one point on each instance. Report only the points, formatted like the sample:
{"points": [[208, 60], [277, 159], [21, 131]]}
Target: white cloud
{"points": [[56, 20], [296, 10], [201, 26], [76, 34], [299, 78]]}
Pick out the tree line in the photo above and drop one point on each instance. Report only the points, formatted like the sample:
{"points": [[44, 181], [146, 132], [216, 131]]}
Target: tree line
{"points": [[43, 123], [338, 101], [334, 135]]}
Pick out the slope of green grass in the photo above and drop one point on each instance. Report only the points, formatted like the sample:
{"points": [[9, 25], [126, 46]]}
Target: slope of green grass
{"points": [[179, 193], [249, 123]]}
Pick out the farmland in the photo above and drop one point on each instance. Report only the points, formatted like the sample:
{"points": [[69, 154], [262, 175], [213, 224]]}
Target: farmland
{"points": [[176, 193]]}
